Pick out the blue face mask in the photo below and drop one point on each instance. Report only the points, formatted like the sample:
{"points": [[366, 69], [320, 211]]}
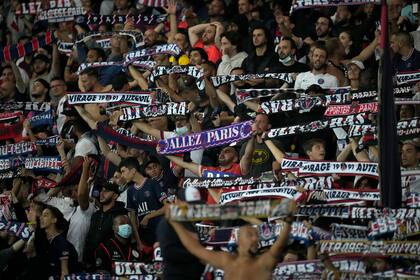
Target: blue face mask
{"points": [[181, 131], [124, 231]]}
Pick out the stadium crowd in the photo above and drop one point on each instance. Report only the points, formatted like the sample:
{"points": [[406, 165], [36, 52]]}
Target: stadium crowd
{"points": [[113, 111]]}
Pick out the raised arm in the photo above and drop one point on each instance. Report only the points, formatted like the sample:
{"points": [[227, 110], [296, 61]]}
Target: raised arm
{"points": [[141, 81], [195, 31], [190, 241], [110, 155], [226, 99], [277, 153], [193, 167], [148, 129], [83, 189], [368, 51], [246, 159], [173, 28]]}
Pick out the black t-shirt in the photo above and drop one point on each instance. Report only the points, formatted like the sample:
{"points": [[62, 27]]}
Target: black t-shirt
{"points": [[178, 263], [60, 248], [111, 251]]}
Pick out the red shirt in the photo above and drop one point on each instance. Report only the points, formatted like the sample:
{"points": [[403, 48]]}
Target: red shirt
{"points": [[234, 169], [212, 51]]}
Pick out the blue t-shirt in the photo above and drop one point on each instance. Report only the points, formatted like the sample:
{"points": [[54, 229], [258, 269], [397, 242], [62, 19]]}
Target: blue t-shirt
{"points": [[146, 199]]}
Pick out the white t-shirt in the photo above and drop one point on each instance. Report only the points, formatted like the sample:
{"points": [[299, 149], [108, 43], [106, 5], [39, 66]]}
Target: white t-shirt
{"points": [[79, 228], [306, 79], [85, 146], [61, 119], [196, 156]]}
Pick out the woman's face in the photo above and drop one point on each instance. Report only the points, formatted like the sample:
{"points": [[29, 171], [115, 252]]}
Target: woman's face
{"points": [[345, 40], [353, 72]]}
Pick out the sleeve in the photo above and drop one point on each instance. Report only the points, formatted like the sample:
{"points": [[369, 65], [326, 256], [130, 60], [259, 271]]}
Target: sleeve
{"points": [[334, 82], [160, 194], [62, 249], [84, 148], [298, 82], [130, 202]]}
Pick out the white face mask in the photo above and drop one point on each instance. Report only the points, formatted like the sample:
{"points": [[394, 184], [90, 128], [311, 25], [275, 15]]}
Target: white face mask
{"points": [[286, 60], [181, 131]]}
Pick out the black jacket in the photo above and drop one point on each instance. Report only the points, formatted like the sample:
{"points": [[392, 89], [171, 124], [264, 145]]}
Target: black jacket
{"points": [[101, 229]]}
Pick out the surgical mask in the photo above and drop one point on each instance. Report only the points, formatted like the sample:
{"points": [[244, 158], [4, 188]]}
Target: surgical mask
{"points": [[181, 131], [124, 231], [286, 60]]}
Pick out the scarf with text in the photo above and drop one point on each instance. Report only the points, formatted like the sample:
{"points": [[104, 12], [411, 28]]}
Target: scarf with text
{"points": [[339, 168], [169, 49], [85, 66], [10, 116], [362, 118], [342, 231], [192, 71], [408, 77], [383, 226], [18, 149], [136, 268], [107, 276], [257, 209], [168, 109], [354, 108], [50, 164], [153, 3], [43, 183], [410, 127], [41, 119], [388, 248], [13, 52], [60, 14], [18, 229], [121, 19], [206, 139], [302, 104], [265, 193], [140, 97], [302, 4], [368, 94], [26, 106], [109, 134], [136, 36], [335, 195], [223, 79]]}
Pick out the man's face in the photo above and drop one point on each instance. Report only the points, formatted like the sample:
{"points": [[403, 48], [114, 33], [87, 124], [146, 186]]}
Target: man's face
{"points": [[58, 88], [395, 45], [394, 9], [121, 4], [195, 58], [127, 174], [238, 84], [409, 156], [6, 90], [284, 49], [92, 56], [153, 170], [226, 46], [209, 34], [227, 156], [317, 152], [322, 27], [345, 39], [319, 58], [150, 37], [244, 7], [181, 40], [248, 239], [406, 112], [342, 15], [258, 38], [38, 89], [106, 196], [261, 123], [181, 121], [7, 75], [40, 66], [87, 82], [216, 8], [118, 179]]}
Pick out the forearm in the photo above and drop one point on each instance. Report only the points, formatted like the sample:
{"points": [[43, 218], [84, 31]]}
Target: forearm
{"points": [[193, 167], [146, 128], [278, 155], [226, 99], [344, 154], [193, 32], [111, 156], [254, 106], [83, 190]]}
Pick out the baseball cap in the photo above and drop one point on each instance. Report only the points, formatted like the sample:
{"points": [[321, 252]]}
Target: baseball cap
{"points": [[358, 63], [42, 57], [109, 185]]}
